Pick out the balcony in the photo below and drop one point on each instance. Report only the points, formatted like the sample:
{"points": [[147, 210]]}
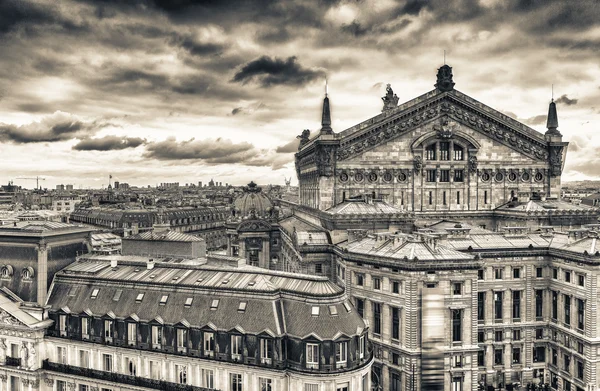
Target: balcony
{"points": [[119, 378], [13, 361]]}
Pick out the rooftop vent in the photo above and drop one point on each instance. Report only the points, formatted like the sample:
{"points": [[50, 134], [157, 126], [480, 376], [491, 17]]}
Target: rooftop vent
{"points": [[150, 264]]}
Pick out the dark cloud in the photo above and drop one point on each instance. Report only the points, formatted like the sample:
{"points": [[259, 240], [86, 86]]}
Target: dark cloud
{"points": [[195, 47], [269, 71], [566, 100], [57, 127], [354, 28], [290, 147], [537, 120], [212, 152], [108, 143]]}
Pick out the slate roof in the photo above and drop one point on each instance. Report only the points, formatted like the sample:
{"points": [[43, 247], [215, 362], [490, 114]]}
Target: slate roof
{"points": [[276, 301], [404, 246], [165, 236], [349, 207], [547, 205]]}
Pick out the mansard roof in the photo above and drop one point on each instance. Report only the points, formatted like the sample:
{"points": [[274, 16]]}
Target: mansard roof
{"points": [[278, 301]]}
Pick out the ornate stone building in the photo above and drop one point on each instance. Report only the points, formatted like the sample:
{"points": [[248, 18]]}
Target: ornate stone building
{"points": [[252, 229], [442, 154], [441, 218]]}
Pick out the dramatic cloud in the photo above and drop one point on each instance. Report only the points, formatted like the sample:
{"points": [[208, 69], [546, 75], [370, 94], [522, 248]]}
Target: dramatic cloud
{"points": [[215, 151], [269, 71], [292, 146], [566, 100], [537, 120], [210, 150], [253, 72], [56, 127], [108, 143]]}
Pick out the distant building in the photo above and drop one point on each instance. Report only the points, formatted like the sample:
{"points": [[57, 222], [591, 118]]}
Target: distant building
{"points": [[60, 187], [32, 251], [591, 200], [69, 187]]}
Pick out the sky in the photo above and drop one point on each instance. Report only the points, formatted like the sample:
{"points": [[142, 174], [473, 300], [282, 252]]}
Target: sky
{"points": [[153, 91]]}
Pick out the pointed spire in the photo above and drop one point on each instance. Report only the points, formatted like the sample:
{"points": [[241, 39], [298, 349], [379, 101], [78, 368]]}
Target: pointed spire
{"points": [[326, 118], [552, 123]]}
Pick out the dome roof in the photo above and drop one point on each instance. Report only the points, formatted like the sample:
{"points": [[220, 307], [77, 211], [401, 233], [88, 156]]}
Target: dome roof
{"points": [[253, 203]]}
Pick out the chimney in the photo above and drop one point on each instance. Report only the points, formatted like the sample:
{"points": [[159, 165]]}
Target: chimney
{"points": [[150, 264], [113, 263]]}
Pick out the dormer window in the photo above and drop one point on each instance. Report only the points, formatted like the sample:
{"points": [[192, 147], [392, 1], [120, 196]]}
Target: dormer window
{"points": [[108, 324], [341, 354], [27, 273], [266, 351], [312, 355], [157, 337], [95, 293]]}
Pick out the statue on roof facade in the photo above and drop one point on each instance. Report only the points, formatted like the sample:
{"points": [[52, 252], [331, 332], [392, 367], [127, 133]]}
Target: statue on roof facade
{"points": [[444, 79], [390, 100], [304, 137]]}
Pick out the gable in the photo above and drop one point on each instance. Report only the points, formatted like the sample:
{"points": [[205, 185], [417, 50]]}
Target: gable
{"points": [[472, 117]]}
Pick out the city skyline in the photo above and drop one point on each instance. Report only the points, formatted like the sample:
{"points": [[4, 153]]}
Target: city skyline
{"points": [[156, 91]]}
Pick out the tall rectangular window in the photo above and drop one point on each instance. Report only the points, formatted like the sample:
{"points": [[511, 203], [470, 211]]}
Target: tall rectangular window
{"points": [[208, 377], [430, 175], [236, 346], [236, 382], [377, 318], [108, 325], [444, 198], [132, 333], [341, 354], [458, 198], [458, 176], [181, 372], [498, 296], [554, 305], [107, 361], [458, 152], [480, 305], [85, 327], [539, 303], [481, 358], [84, 359], [430, 198], [567, 300], [430, 152], [61, 354], [444, 175], [182, 337], [395, 323], [266, 350], [444, 150], [154, 368], [265, 384], [485, 197], [457, 383], [157, 335], [580, 314], [498, 356], [516, 355], [312, 355], [360, 307], [456, 325], [209, 342], [516, 304], [376, 283]]}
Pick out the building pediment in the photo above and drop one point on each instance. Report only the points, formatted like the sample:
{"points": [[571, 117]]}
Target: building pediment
{"points": [[254, 226], [448, 111], [8, 319]]}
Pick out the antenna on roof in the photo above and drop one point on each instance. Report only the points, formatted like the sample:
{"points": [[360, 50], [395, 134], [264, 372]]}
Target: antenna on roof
{"points": [[444, 57], [552, 92], [326, 87]]}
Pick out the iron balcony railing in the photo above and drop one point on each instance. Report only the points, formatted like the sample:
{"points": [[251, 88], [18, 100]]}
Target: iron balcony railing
{"points": [[120, 378]]}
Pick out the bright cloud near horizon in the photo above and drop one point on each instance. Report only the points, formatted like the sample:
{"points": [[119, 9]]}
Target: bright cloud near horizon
{"points": [[155, 91]]}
